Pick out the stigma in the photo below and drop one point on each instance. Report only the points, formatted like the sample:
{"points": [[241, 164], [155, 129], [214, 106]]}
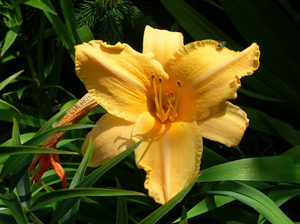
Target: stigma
{"points": [[165, 103]]}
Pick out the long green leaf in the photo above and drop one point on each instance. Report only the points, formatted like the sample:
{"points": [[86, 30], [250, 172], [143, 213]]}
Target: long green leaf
{"points": [[39, 5], [50, 122], [70, 19], [9, 79], [70, 216], [8, 114], [280, 194], [205, 205], [50, 178], [61, 30], [23, 185], [15, 150], [269, 125], [274, 169], [49, 189], [195, 24], [231, 215], [37, 139], [10, 38], [183, 219], [85, 34], [5, 103], [24, 190], [79, 192], [13, 204], [295, 151], [66, 205], [254, 198], [122, 216]]}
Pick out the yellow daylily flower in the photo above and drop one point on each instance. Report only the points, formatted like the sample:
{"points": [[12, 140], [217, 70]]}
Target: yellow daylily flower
{"points": [[172, 95]]}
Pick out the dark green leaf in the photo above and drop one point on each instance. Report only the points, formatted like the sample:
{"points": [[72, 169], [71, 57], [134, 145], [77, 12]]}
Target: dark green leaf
{"points": [[70, 216], [13, 204], [252, 197], [39, 5], [10, 38], [78, 192], [66, 205], [122, 217], [70, 19], [61, 30], [183, 219], [15, 150], [195, 24], [269, 125], [9, 80]]}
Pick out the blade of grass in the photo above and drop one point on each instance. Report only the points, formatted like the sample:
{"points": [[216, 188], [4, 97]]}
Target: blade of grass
{"points": [[15, 150], [50, 122], [195, 24], [66, 205], [13, 204], [61, 30], [122, 217], [280, 194], [7, 114], [85, 34], [9, 79], [39, 5], [274, 169], [70, 216], [37, 139], [78, 192], [10, 38], [49, 189], [24, 185], [70, 19], [183, 219], [269, 125], [3, 102], [254, 198]]}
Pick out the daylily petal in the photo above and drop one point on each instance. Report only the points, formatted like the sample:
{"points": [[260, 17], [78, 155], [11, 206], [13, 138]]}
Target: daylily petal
{"points": [[117, 77], [226, 126], [112, 137], [209, 76], [170, 155], [162, 43]]}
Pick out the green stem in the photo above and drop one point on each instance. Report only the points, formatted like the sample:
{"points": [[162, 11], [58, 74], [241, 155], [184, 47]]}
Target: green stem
{"points": [[17, 11]]}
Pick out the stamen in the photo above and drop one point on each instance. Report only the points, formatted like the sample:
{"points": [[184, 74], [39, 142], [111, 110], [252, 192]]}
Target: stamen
{"points": [[155, 94], [159, 97], [177, 97]]}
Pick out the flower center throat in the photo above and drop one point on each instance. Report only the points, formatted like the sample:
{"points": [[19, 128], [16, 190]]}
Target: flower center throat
{"points": [[165, 108]]}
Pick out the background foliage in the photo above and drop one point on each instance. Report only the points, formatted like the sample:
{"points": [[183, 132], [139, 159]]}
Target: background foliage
{"points": [[257, 182]]}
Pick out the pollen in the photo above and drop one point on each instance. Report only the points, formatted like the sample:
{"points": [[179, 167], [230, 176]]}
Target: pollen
{"points": [[165, 103]]}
